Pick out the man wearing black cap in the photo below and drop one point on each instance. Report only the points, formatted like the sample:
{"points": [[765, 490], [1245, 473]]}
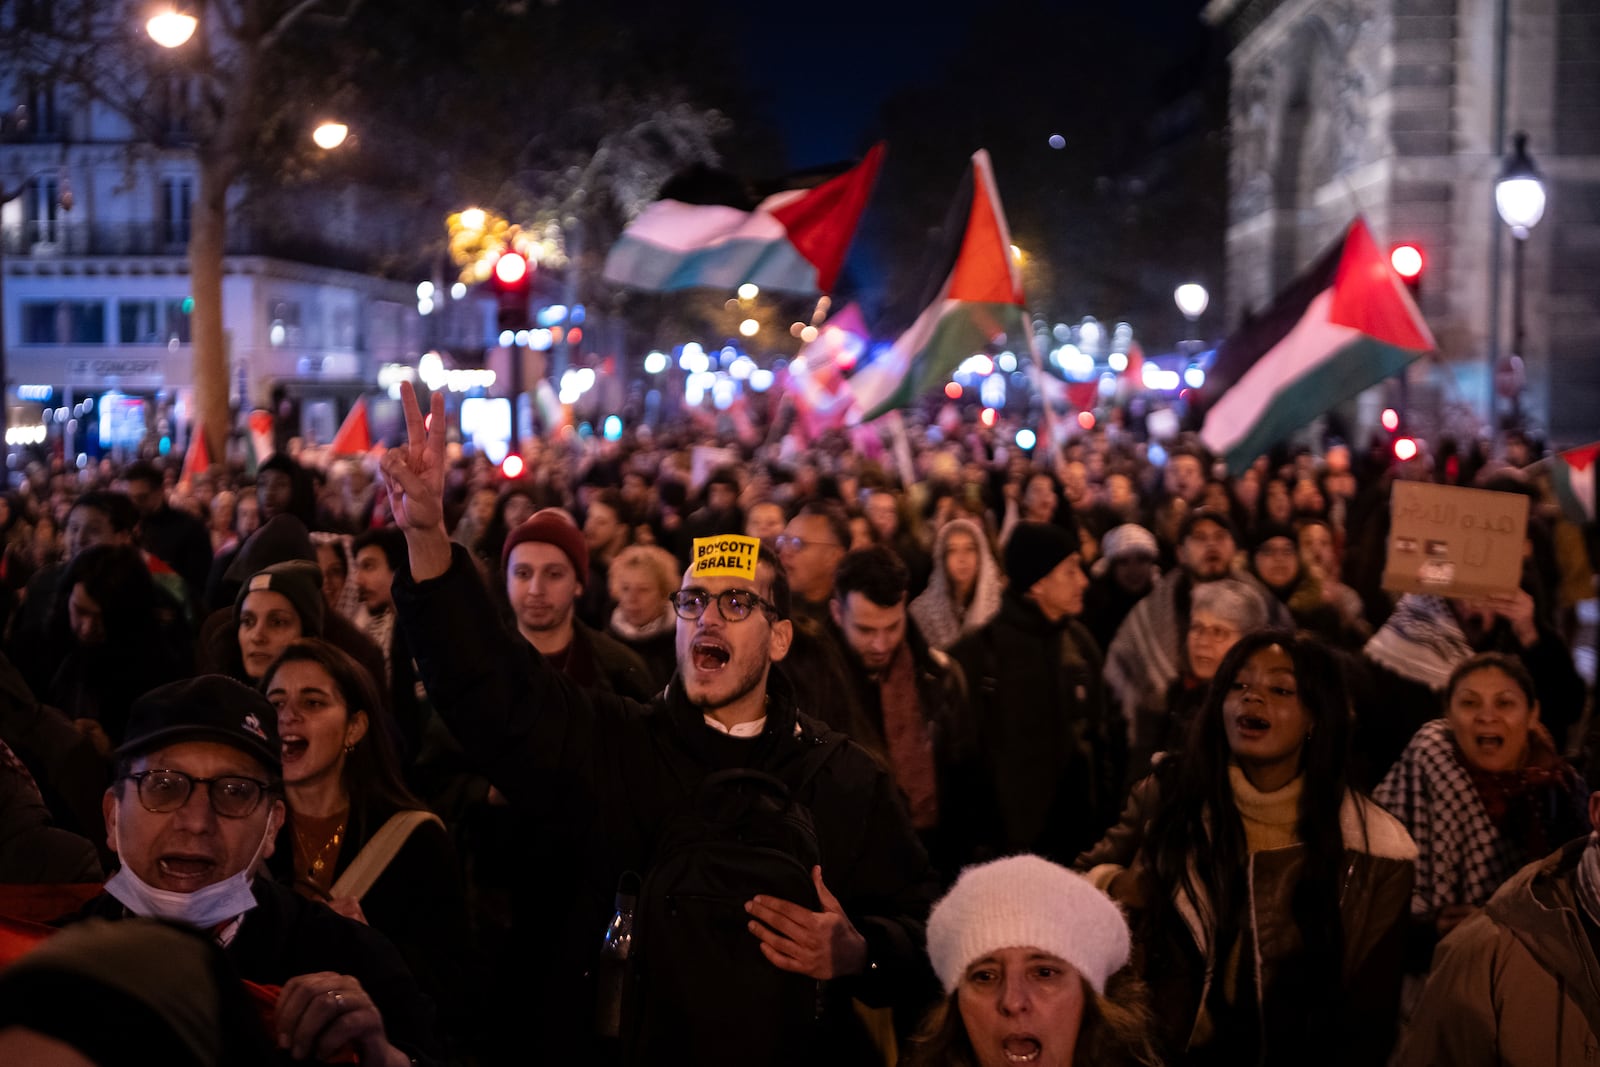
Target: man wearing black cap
{"points": [[1147, 655], [1047, 743], [192, 812]]}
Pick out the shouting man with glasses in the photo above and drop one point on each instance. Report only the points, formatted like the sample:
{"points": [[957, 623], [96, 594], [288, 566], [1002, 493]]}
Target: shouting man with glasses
{"points": [[194, 809], [631, 777]]}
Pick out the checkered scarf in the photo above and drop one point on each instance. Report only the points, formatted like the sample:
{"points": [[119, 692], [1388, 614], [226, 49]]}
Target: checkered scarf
{"points": [[1462, 856], [1421, 641]]}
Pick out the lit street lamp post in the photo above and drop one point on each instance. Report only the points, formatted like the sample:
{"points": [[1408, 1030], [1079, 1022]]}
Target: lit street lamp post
{"points": [[1519, 197]]}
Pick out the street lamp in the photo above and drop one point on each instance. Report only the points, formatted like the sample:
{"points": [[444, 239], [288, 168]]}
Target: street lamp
{"points": [[330, 135], [171, 28], [1192, 299], [1519, 198]]}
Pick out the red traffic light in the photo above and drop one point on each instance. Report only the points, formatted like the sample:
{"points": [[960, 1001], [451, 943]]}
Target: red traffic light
{"points": [[1390, 419], [512, 467], [510, 269], [1407, 261], [1405, 449]]}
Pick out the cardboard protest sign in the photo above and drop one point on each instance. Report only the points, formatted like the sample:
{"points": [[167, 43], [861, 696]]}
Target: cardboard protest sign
{"points": [[1445, 540], [704, 461], [729, 556]]}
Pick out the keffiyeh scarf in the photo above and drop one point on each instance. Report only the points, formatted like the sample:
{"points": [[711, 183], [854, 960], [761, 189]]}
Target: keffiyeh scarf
{"points": [[1462, 855], [1421, 641]]}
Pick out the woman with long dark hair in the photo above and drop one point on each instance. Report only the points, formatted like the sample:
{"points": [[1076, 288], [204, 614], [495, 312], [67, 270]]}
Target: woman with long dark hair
{"points": [[1266, 893]]}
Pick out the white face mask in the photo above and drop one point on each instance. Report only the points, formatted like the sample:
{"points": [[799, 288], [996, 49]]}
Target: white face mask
{"points": [[205, 908]]}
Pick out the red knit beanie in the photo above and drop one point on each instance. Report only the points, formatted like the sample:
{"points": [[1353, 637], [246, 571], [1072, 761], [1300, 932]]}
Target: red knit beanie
{"points": [[552, 526]]}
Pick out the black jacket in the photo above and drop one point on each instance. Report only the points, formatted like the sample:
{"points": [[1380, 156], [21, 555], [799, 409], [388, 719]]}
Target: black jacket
{"points": [[611, 772], [286, 935], [1047, 739]]}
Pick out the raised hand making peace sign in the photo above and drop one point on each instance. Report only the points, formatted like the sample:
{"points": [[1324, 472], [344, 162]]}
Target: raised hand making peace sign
{"points": [[414, 476]]}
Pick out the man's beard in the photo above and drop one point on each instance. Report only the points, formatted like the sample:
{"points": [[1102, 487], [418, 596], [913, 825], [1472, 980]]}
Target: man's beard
{"points": [[743, 688]]}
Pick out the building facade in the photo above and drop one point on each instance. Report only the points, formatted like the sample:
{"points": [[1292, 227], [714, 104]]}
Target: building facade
{"points": [[96, 295], [1403, 110]]}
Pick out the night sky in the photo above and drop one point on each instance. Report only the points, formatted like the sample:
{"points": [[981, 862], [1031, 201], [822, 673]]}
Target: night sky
{"points": [[821, 70]]}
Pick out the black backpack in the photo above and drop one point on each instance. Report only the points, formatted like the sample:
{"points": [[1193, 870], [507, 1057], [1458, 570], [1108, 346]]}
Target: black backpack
{"points": [[701, 991]]}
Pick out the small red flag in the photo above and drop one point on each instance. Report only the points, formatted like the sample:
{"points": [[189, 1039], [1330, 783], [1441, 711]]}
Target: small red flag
{"points": [[353, 438]]}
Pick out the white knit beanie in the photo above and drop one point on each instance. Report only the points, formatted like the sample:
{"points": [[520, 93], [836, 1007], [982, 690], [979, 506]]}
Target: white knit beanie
{"points": [[1027, 902]]}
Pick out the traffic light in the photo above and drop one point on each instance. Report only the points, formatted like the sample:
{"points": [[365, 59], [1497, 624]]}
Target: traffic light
{"points": [[1405, 449], [1407, 262], [512, 283]]}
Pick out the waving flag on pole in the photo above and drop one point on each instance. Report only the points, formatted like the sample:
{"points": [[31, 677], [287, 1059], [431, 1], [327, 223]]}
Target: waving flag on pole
{"points": [[1344, 325], [979, 301], [197, 460], [816, 386], [705, 232], [1572, 477]]}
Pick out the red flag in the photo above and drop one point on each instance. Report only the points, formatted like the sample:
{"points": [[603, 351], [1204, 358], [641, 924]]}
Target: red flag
{"points": [[353, 438], [197, 460]]}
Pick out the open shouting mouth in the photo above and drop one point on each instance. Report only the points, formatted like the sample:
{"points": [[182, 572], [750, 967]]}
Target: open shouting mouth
{"points": [[1022, 1048], [709, 655]]}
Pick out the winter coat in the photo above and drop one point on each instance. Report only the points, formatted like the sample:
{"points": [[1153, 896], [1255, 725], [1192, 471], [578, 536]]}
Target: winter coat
{"points": [[1516, 984], [609, 773], [1047, 742], [1378, 865], [31, 850]]}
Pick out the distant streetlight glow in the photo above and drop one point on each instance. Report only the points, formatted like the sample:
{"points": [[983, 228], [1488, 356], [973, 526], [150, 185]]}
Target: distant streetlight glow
{"points": [[330, 135], [1406, 261], [749, 327], [510, 268], [170, 28], [1192, 299], [1057, 142], [474, 219], [655, 363], [749, 291], [1519, 193], [458, 291], [808, 334]]}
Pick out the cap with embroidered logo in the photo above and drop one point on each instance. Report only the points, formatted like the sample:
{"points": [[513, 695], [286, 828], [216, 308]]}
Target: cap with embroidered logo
{"points": [[211, 707]]}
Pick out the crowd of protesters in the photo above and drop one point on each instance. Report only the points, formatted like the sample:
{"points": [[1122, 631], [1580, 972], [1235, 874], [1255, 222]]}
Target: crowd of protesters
{"points": [[1091, 754]]}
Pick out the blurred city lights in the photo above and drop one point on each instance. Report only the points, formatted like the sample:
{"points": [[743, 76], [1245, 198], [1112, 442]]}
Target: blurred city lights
{"points": [[458, 291], [749, 328], [749, 291], [655, 363], [170, 29], [1086, 419], [953, 390], [613, 428], [1057, 142], [741, 368], [1026, 439], [1108, 385], [425, 306], [507, 338], [992, 393], [474, 219], [693, 358], [1016, 253], [330, 135], [987, 417], [1390, 419], [1194, 378], [1117, 361], [512, 467], [1007, 361], [1192, 299], [1405, 449], [510, 268], [1090, 334], [761, 379], [723, 390], [424, 290], [1406, 261], [1078, 365], [808, 334]]}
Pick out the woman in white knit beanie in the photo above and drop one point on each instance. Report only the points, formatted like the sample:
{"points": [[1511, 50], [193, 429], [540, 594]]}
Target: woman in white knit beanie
{"points": [[1032, 958]]}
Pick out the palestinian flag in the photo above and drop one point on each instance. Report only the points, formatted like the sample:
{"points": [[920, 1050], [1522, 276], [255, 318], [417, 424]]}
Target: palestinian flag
{"points": [[1344, 325], [258, 440], [197, 460], [355, 436], [1572, 477], [707, 230], [816, 386], [978, 304]]}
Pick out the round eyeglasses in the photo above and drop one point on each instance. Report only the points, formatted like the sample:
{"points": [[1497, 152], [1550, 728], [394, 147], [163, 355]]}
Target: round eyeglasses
{"points": [[232, 796], [735, 605]]}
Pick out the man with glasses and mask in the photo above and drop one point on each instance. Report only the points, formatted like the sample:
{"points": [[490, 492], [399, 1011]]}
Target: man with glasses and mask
{"points": [[622, 771], [193, 810]]}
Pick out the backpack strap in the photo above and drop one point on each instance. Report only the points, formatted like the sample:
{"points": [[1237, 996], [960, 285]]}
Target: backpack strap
{"points": [[374, 859]]}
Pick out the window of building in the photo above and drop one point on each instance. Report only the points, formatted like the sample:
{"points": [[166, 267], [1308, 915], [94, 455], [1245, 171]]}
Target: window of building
{"points": [[152, 322], [45, 122], [63, 322], [283, 324], [42, 208], [177, 207]]}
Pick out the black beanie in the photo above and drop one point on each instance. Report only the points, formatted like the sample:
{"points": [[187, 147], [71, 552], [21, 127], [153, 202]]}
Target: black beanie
{"points": [[1036, 549]]}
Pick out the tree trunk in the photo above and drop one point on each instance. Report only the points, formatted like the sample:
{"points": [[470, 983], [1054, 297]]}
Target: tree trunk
{"points": [[207, 240]]}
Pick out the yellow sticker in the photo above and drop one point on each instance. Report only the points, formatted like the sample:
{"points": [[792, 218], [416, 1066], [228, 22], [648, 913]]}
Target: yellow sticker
{"points": [[730, 556]]}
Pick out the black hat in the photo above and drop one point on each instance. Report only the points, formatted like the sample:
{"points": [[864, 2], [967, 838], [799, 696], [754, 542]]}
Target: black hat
{"points": [[1199, 515], [1271, 531], [299, 582], [211, 707], [1036, 549]]}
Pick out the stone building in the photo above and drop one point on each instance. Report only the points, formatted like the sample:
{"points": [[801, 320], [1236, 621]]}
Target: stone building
{"points": [[1404, 110]]}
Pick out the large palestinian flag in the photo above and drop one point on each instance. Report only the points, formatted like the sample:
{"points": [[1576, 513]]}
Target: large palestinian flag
{"points": [[1344, 325], [706, 230], [978, 304], [1572, 476]]}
